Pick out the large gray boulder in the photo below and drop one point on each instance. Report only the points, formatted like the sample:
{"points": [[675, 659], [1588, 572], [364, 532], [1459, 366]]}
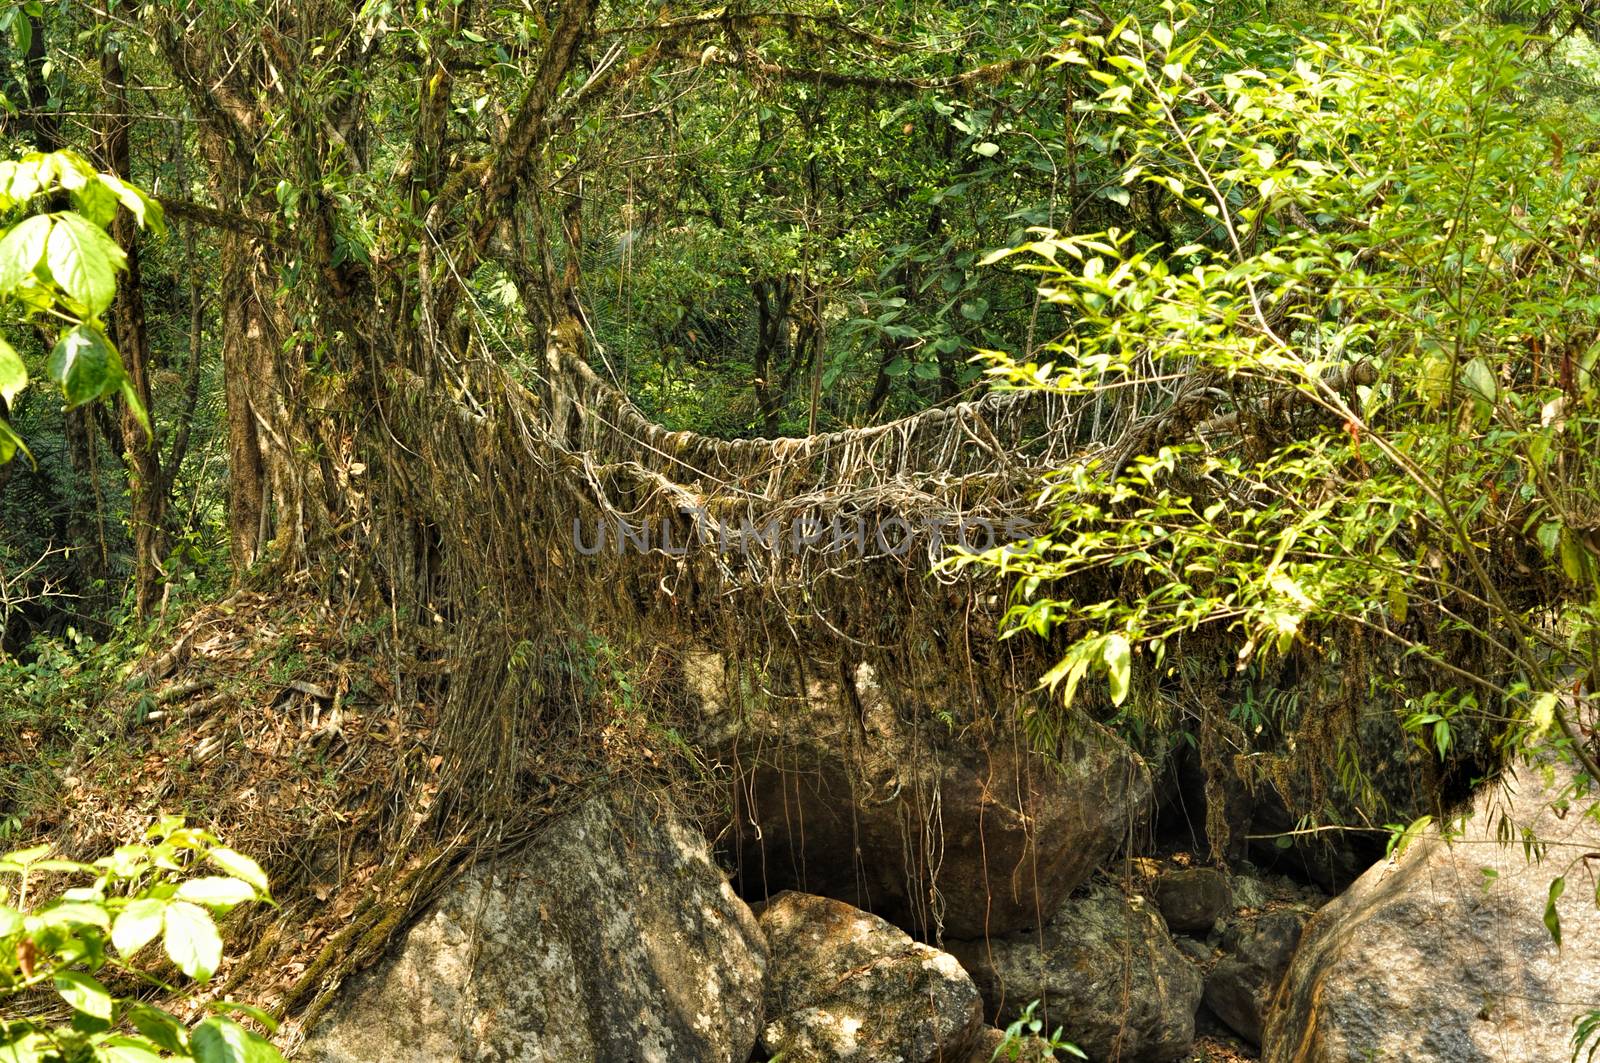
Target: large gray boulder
{"points": [[847, 986], [857, 792], [1103, 969], [1442, 955], [613, 938]]}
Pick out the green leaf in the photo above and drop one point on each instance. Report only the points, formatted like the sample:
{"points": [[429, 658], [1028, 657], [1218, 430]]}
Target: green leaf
{"points": [[146, 211], [1118, 658], [10, 443], [988, 149], [29, 1048], [217, 891], [13, 374], [1552, 918], [239, 866], [191, 940], [1543, 713], [229, 1007], [163, 1029], [137, 925], [85, 365], [220, 1040], [72, 913], [84, 994], [120, 1048], [84, 261], [21, 251], [25, 857], [1478, 378], [131, 397]]}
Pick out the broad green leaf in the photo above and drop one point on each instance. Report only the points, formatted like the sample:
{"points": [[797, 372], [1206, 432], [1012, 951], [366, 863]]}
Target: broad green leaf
{"points": [[1118, 658], [146, 211], [216, 891], [191, 940], [21, 251], [97, 203], [84, 261], [25, 857], [10, 921], [84, 994], [137, 925], [1478, 378], [13, 374], [85, 365], [72, 913], [220, 1040], [239, 866], [1573, 558]]}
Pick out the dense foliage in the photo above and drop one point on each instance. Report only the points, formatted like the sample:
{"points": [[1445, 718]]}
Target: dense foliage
{"points": [[139, 893]]}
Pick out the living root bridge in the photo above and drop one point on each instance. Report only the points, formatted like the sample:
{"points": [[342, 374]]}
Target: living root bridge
{"points": [[485, 505]]}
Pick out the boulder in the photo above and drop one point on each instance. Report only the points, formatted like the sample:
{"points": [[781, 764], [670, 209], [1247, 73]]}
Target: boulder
{"points": [[1256, 953], [614, 937], [1194, 898], [857, 795], [845, 986], [1441, 954], [1103, 969]]}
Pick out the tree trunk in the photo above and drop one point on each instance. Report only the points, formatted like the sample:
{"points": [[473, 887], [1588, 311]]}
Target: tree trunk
{"points": [[146, 486]]}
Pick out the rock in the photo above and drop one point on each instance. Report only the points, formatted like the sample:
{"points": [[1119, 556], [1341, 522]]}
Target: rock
{"points": [[1249, 891], [1198, 951], [1193, 899], [985, 1045], [1104, 969], [613, 938], [845, 794], [1428, 959], [1257, 951], [845, 985]]}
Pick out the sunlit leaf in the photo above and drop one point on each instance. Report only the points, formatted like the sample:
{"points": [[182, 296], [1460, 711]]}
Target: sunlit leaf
{"points": [[191, 940], [137, 925], [83, 261], [84, 994]]}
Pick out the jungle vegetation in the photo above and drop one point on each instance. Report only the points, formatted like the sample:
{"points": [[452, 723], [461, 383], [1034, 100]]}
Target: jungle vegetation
{"points": [[370, 302]]}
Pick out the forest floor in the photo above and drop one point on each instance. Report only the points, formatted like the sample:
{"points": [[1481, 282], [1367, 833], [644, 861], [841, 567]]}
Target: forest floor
{"points": [[272, 722]]}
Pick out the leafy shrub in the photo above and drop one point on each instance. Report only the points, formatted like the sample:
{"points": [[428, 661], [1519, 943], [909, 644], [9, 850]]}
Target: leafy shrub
{"points": [[155, 889]]}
